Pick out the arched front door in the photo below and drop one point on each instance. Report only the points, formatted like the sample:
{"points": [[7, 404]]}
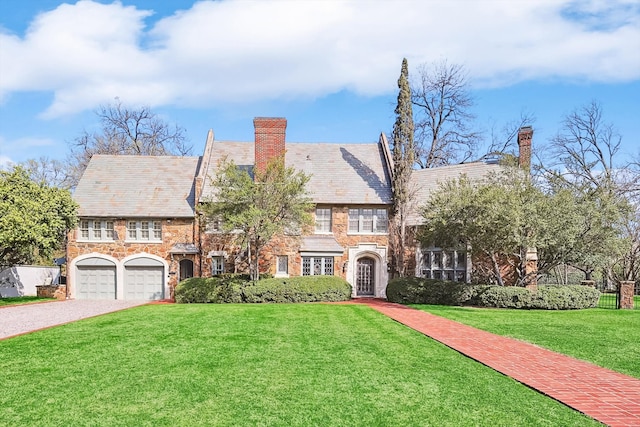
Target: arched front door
{"points": [[186, 269], [365, 277]]}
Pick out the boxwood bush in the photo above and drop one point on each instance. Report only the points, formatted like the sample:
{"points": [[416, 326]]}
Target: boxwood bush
{"points": [[238, 288], [298, 289], [416, 290]]}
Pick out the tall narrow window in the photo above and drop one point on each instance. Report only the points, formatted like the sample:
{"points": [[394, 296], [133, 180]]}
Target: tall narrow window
{"points": [[217, 265], [282, 265], [323, 220]]}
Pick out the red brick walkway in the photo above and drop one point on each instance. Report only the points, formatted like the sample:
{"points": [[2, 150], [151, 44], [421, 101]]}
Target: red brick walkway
{"points": [[609, 397]]}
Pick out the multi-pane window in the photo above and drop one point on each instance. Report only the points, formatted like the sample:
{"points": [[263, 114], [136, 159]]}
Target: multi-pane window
{"points": [[282, 265], [317, 266], [95, 229], [323, 220], [368, 220], [217, 265], [144, 230], [444, 264]]}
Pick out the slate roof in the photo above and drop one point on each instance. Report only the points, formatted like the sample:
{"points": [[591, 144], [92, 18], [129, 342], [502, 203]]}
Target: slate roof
{"points": [[425, 181], [321, 244], [340, 173], [138, 186]]}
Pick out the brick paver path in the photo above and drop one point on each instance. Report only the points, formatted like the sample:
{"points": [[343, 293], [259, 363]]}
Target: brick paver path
{"points": [[609, 397]]}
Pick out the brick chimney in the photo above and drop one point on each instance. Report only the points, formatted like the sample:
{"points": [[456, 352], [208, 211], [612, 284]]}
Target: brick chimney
{"points": [[270, 136], [525, 135]]}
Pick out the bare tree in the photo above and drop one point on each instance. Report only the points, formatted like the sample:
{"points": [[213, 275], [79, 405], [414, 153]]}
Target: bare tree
{"points": [[504, 141], [126, 131], [588, 161], [443, 119], [45, 170]]}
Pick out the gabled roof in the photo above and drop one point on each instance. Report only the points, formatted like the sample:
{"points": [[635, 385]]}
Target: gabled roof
{"points": [[425, 181], [340, 173], [137, 186]]}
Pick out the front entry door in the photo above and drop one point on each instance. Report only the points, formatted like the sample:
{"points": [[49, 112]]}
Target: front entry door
{"points": [[365, 277]]}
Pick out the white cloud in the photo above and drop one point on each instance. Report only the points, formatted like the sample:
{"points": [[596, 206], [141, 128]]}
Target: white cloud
{"points": [[5, 162], [240, 51]]}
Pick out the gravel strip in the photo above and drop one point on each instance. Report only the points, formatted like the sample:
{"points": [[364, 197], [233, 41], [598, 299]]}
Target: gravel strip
{"points": [[31, 317]]}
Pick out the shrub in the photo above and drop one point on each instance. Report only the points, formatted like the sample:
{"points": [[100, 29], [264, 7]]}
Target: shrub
{"points": [[502, 297], [546, 297], [418, 290], [565, 297], [298, 289], [228, 288], [224, 288]]}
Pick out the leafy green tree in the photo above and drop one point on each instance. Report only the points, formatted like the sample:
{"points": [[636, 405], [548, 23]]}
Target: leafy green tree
{"points": [[274, 201], [34, 218], [497, 219], [403, 152]]}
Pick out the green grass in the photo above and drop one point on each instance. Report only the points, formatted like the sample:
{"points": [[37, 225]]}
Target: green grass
{"points": [[256, 365], [22, 300], [606, 337]]}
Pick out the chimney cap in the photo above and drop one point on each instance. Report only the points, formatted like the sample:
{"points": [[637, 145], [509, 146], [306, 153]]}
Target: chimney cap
{"points": [[525, 129]]}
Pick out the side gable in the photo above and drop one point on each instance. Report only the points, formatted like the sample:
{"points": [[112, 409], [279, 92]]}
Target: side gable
{"points": [[340, 173], [138, 186]]}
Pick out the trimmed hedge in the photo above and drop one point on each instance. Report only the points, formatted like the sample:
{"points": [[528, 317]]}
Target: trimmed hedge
{"points": [[418, 290], [298, 289], [239, 289], [415, 290]]}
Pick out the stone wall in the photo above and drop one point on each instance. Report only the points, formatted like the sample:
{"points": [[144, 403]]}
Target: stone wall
{"points": [[174, 230], [290, 246]]}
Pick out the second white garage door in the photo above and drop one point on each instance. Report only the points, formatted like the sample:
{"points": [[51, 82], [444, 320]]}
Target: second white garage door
{"points": [[143, 283]]}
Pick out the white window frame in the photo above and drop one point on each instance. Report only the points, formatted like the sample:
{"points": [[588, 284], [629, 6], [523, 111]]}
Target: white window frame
{"points": [[444, 264], [324, 220], [326, 265], [217, 265], [282, 266], [96, 230], [368, 221], [144, 230]]}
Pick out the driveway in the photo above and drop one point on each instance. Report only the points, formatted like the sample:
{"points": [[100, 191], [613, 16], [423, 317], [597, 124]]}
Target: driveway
{"points": [[17, 320]]}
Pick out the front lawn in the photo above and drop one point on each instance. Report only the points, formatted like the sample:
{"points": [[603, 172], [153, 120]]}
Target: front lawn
{"points": [[606, 337], [22, 300], [256, 365]]}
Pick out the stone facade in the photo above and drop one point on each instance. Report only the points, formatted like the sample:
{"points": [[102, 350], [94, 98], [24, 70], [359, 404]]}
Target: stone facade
{"points": [[174, 231]]}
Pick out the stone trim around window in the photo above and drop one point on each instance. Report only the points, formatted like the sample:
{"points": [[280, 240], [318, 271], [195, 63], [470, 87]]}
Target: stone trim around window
{"points": [[443, 264], [317, 266], [95, 230], [323, 221], [368, 221], [144, 231]]}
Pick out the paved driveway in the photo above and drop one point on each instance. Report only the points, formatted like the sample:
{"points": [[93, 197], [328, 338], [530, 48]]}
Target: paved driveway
{"points": [[16, 320]]}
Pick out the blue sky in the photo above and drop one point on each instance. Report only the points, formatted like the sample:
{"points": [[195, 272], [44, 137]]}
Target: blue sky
{"points": [[329, 67]]}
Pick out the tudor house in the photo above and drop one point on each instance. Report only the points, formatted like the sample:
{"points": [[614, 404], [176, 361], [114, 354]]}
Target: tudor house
{"points": [[140, 233]]}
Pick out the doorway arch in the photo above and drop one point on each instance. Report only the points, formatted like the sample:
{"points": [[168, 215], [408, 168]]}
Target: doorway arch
{"points": [[186, 269]]}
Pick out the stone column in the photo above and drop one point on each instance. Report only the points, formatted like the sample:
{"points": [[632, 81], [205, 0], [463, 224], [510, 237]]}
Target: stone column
{"points": [[531, 269], [626, 291]]}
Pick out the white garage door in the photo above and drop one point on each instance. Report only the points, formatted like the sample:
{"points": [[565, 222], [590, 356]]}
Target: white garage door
{"points": [[144, 283], [96, 282]]}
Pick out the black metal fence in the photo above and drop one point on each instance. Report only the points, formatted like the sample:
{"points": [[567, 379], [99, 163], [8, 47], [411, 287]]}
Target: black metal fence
{"points": [[609, 296]]}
